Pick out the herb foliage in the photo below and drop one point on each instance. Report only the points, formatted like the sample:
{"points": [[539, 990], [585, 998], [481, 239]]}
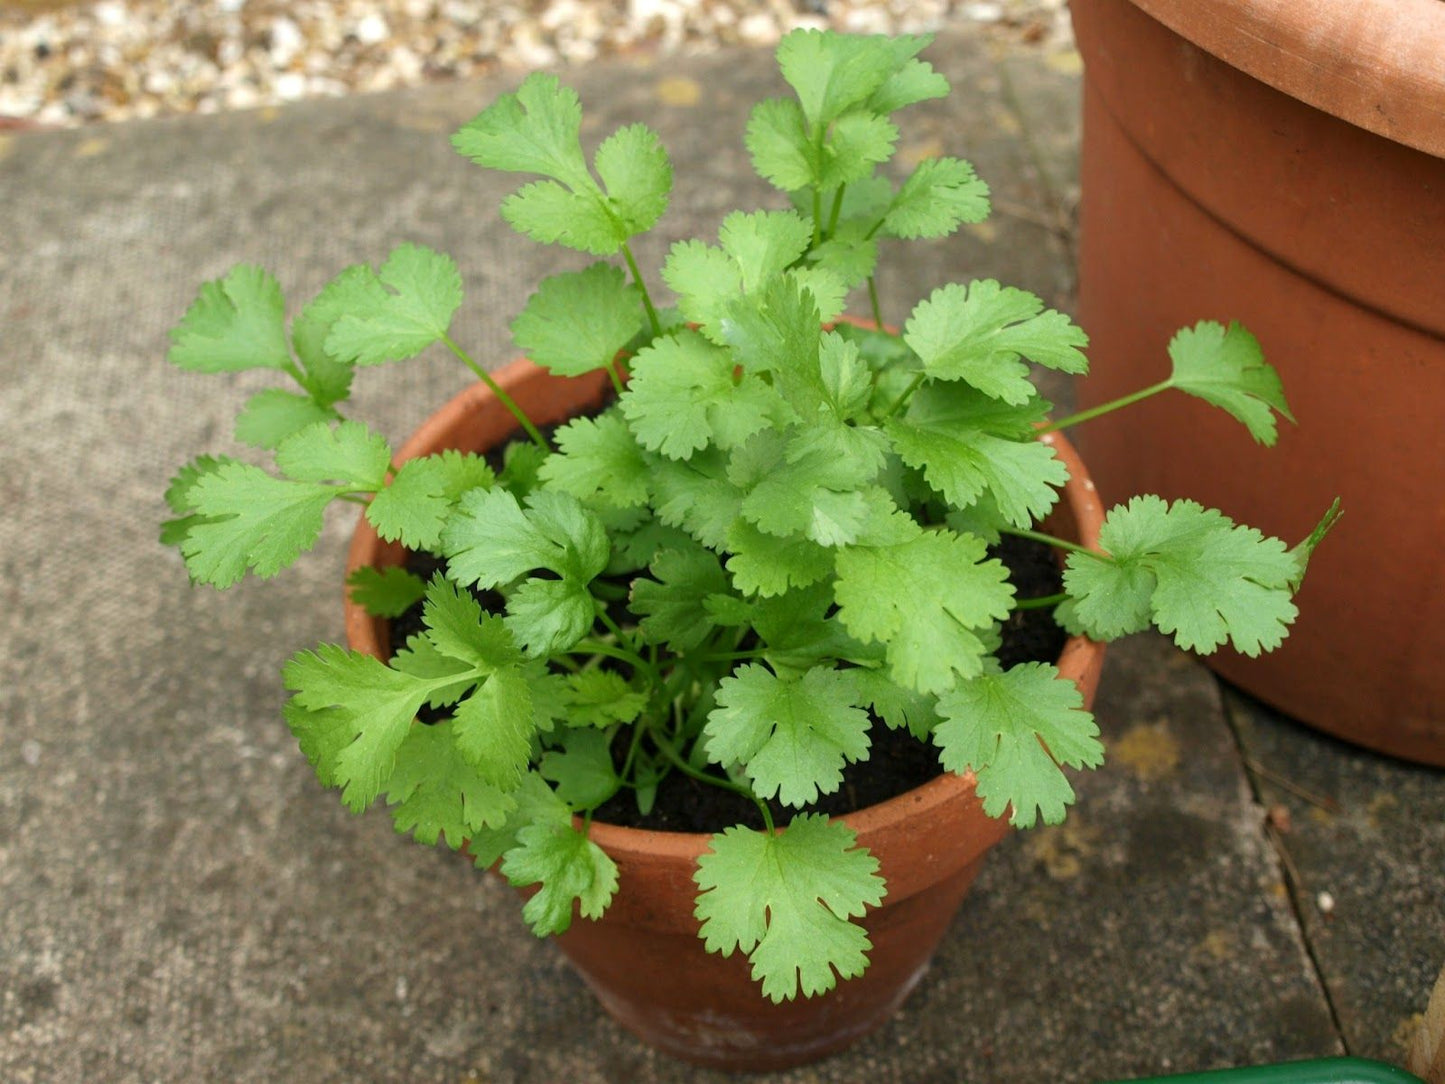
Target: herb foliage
{"points": [[800, 516]]}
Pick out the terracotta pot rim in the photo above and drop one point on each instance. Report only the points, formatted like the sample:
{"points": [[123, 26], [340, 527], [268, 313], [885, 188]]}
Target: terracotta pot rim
{"points": [[1078, 661], [1374, 63]]}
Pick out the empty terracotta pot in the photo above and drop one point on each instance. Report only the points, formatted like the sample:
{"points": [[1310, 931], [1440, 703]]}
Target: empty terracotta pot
{"points": [[1282, 163], [643, 959]]}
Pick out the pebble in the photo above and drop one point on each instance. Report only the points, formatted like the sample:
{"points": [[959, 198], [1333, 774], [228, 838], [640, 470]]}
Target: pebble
{"points": [[123, 59]]}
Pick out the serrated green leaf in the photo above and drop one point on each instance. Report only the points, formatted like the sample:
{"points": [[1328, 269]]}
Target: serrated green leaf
{"points": [[766, 564], [349, 454], [457, 627], [436, 793], [696, 496], [833, 72], [598, 462], [812, 494], [533, 130], [570, 869], [928, 600], [549, 616], [785, 901], [178, 493], [1191, 571], [490, 540], [414, 506], [379, 704], [493, 728], [939, 195], [899, 707], [600, 698], [548, 213], [857, 143], [521, 463], [1015, 729], [385, 592], [427, 292], [914, 82], [246, 519], [1227, 368], [981, 333], [967, 445], [537, 803], [637, 175], [578, 321], [236, 322], [356, 290], [673, 604], [582, 769], [763, 244], [321, 736], [420, 658], [683, 396], [777, 141], [270, 416], [790, 738]]}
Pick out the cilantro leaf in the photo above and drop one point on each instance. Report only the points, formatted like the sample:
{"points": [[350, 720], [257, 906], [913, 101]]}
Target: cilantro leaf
{"points": [[385, 592], [937, 196], [377, 703], [457, 627], [914, 82], [814, 494], [419, 657], [695, 495], [327, 378], [673, 605], [600, 698], [1191, 571], [637, 175], [856, 144], [436, 793], [493, 728], [790, 738], [236, 322], [981, 333], [548, 616], [582, 769], [416, 503], [767, 564], [684, 396], [548, 213], [568, 866], [1015, 728], [833, 72], [533, 130], [898, 707], [967, 445], [244, 518], [491, 541], [777, 141], [598, 461], [349, 454], [400, 325], [578, 321], [928, 600], [1227, 368], [786, 899], [270, 416]]}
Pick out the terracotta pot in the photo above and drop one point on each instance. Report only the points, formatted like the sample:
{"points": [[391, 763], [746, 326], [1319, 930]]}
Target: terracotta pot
{"points": [[643, 959], [1282, 163]]}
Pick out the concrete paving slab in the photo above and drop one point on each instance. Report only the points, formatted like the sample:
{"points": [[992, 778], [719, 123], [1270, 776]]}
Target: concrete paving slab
{"points": [[182, 903]]}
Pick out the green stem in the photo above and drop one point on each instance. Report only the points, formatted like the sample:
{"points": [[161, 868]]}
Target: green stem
{"points": [[837, 209], [681, 764], [1043, 602], [1104, 408], [616, 379], [627, 644], [728, 656], [907, 395], [873, 300], [502, 397], [646, 297], [1050, 540], [597, 647]]}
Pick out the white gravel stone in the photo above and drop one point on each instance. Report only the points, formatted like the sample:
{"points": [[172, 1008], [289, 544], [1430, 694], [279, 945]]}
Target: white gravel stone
{"points": [[117, 59]]}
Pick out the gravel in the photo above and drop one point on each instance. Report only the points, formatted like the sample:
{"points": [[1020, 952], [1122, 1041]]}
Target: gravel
{"points": [[122, 59]]}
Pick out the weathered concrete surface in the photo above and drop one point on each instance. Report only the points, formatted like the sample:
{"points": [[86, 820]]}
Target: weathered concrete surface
{"points": [[180, 902]]}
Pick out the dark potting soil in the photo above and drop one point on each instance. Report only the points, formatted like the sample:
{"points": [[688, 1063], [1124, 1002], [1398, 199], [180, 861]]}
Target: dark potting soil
{"points": [[897, 761]]}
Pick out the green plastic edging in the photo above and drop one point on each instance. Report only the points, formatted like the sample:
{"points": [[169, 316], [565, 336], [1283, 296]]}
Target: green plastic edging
{"points": [[1320, 1071]]}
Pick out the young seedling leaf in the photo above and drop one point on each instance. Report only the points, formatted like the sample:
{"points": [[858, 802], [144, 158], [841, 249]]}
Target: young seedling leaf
{"points": [[349, 455], [327, 378], [600, 698], [270, 416], [436, 794], [236, 322], [1227, 368], [673, 606], [833, 72], [427, 292], [379, 704], [914, 82], [245, 519], [786, 900], [637, 175], [578, 321], [1189, 570], [790, 738], [857, 144], [569, 867], [777, 140], [537, 803], [534, 130], [982, 333], [1015, 729], [385, 592], [936, 198], [598, 462], [928, 600]]}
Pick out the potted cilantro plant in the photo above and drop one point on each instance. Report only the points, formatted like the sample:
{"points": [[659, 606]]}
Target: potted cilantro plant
{"points": [[701, 561]]}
